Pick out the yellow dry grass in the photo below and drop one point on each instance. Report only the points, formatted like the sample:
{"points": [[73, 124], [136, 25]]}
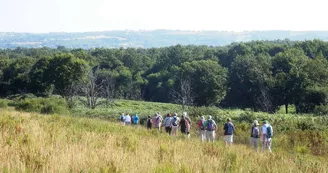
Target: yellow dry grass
{"points": [[37, 143]]}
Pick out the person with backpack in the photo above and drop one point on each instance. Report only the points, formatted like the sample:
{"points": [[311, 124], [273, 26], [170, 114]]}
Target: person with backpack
{"points": [[127, 119], [255, 135], [167, 124], [269, 135], [263, 134], [122, 118], [228, 128], [175, 124], [149, 122], [135, 119], [201, 127], [157, 121], [189, 123], [184, 125], [210, 127]]}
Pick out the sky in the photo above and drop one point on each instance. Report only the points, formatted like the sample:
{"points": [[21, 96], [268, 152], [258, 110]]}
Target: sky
{"points": [[42, 16]]}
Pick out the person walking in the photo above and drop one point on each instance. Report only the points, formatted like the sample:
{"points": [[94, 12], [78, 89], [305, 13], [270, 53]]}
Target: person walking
{"points": [[175, 124], [201, 128], [168, 124], [210, 127], [184, 125], [135, 119], [157, 120], [228, 128], [255, 135], [127, 119], [269, 134], [189, 123], [149, 122], [122, 119], [263, 134]]}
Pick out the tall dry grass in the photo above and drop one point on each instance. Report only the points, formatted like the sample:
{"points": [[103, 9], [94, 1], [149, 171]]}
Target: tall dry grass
{"points": [[35, 143]]}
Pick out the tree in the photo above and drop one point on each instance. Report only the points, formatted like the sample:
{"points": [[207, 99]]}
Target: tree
{"points": [[91, 89], [208, 81], [64, 72], [39, 84], [184, 94], [290, 78], [250, 81], [109, 84]]}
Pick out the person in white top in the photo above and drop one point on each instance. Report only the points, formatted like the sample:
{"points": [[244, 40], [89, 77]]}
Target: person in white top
{"points": [[263, 134], [168, 124], [175, 124], [127, 119]]}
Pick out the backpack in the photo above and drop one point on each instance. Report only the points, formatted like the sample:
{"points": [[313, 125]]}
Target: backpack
{"points": [[149, 122], [135, 119], [269, 131], [255, 133], [210, 125], [158, 119], [122, 118], [229, 129], [175, 121], [201, 124]]}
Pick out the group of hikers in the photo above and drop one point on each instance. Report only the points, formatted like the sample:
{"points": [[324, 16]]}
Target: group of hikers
{"points": [[207, 128]]}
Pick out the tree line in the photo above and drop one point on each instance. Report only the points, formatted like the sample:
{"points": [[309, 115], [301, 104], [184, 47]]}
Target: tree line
{"points": [[261, 75]]}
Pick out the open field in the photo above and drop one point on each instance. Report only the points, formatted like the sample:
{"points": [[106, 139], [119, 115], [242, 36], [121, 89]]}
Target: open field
{"points": [[51, 143]]}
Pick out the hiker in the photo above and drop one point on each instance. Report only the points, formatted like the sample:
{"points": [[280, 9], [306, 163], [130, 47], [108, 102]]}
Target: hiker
{"points": [[168, 124], [189, 123], [175, 124], [127, 119], [135, 119], [184, 125], [122, 118], [210, 127], [255, 135], [228, 132], [263, 134], [149, 122], [201, 128], [269, 133], [157, 121]]}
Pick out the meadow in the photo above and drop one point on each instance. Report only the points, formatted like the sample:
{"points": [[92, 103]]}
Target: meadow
{"points": [[33, 142]]}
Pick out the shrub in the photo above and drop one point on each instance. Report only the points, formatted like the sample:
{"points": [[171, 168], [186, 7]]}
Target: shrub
{"points": [[43, 105], [3, 103], [321, 110]]}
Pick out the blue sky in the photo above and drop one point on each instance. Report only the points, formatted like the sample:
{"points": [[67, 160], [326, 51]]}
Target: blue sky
{"points": [[101, 15]]}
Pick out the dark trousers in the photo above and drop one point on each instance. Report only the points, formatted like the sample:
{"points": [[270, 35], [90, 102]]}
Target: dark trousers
{"points": [[168, 130]]}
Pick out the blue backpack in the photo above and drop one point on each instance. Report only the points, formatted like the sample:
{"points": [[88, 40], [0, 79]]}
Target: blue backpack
{"points": [[269, 131], [175, 121], [210, 125]]}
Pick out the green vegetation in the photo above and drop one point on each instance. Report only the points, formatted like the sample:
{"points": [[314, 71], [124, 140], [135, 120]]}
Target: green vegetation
{"points": [[261, 76], [34, 143]]}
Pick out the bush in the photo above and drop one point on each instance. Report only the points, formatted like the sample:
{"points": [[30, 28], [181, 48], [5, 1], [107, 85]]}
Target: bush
{"points": [[3, 103], [321, 110], [43, 105]]}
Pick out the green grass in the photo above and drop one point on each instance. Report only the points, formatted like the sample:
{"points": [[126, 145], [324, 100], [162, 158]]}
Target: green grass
{"points": [[55, 143]]}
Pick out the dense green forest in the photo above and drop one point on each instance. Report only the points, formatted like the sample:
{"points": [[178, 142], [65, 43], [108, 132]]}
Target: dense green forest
{"points": [[260, 75]]}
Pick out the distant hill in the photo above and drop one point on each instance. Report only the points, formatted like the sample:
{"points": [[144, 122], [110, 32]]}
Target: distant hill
{"points": [[148, 39]]}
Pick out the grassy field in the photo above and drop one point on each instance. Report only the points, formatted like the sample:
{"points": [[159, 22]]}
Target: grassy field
{"points": [[31, 142]]}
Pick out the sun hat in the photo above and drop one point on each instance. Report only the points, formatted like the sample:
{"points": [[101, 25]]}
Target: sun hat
{"points": [[256, 122], [209, 117]]}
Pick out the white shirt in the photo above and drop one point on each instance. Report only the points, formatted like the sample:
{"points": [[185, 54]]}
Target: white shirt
{"points": [[127, 119], [264, 129]]}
